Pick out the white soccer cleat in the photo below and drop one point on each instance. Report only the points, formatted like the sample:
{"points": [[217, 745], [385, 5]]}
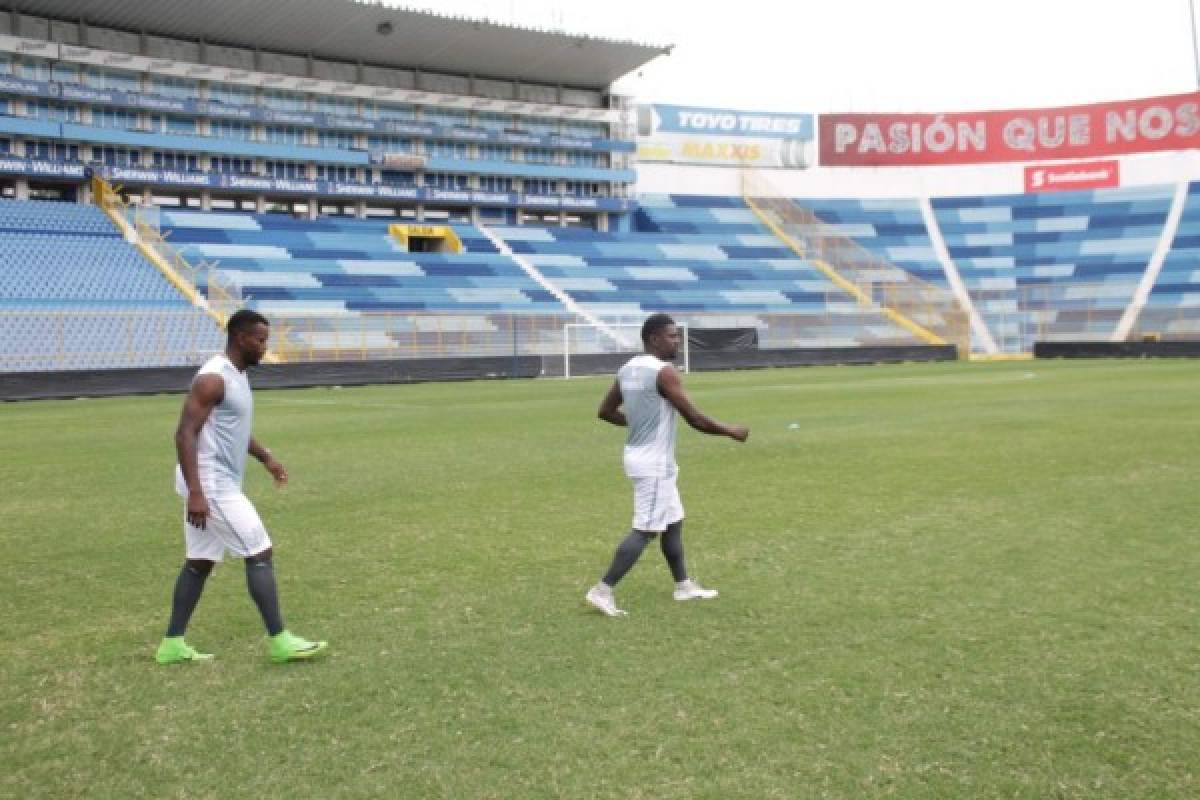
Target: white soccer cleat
{"points": [[690, 590], [603, 601]]}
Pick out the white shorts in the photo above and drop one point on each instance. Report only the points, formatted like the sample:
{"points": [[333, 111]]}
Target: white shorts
{"points": [[656, 503], [233, 524]]}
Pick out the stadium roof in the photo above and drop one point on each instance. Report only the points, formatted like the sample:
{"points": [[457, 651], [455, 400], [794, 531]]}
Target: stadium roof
{"points": [[370, 32]]}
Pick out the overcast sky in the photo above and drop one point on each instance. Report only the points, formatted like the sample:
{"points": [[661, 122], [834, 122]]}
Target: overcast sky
{"points": [[880, 55]]}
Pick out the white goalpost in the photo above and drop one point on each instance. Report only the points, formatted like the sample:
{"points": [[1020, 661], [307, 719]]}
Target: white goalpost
{"points": [[581, 338]]}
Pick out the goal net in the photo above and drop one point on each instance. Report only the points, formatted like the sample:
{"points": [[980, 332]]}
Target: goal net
{"points": [[595, 349]]}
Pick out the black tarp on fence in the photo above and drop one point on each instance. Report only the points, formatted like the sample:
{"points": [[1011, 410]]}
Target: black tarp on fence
{"points": [[722, 339], [1117, 349], [114, 382]]}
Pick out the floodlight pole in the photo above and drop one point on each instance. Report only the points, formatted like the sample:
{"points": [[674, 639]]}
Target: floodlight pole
{"points": [[1195, 49]]}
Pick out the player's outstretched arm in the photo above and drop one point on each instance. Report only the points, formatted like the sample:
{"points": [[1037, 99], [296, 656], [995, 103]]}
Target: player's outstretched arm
{"points": [[206, 392], [670, 386], [610, 407], [268, 460]]}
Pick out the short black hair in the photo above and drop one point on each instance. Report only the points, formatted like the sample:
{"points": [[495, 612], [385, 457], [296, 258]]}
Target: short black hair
{"points": [[243, 320], [655, 323]]}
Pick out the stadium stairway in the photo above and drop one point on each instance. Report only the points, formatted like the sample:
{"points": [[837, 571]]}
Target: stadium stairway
{"points": [[563, 297], [931, 314]]}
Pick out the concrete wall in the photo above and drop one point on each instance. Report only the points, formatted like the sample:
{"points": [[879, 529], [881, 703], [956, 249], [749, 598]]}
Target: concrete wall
{"points": [[1147, 169]]}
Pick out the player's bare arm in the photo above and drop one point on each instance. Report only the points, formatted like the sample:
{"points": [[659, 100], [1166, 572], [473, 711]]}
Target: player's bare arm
{"points": [[206, 393], [268, 460], [670, 386], [610, 407]]}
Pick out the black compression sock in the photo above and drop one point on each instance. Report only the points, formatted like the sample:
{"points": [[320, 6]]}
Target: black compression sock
{"points": [[260, 580], [672, 549], [188, 588], [628, 552]]}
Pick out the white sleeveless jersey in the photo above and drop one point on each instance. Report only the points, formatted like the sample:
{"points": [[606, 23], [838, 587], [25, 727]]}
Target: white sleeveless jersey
{"points": [[650, 447], [223, 441]]}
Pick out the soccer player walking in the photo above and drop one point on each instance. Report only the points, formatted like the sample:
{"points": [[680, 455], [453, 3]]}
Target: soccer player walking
{"points": [[212, 441], [645, 397]]}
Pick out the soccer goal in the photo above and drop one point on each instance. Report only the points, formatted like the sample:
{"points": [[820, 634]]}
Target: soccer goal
{"points": [[584, 343]]}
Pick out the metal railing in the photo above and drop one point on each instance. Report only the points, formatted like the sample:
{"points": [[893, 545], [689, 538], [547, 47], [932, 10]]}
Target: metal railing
{"points": [[53, 339], [40, 340], [201, 283], [359, 337], [930, 312], [831, 322], [1066, 311]]}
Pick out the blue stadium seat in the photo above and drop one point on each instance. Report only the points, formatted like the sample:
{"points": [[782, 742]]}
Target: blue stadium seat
{"points": [[1058, 265], [75, 295], [700, 256], [1171, 308]]}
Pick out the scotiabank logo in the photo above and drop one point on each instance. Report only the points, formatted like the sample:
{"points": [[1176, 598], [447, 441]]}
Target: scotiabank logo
{"points": [[1081, 175]]}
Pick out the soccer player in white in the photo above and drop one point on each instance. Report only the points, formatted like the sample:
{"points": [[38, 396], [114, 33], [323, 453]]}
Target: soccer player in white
{"points": [[644, 397], [211, 442]]}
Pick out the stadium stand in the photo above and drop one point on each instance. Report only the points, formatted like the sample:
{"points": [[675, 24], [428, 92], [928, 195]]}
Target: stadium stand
{"points": [[75, 295], [709, 261], [1060, 265], [334, 130], [1056, 266], [343, 284], [476, 135], [277, 173], [892, 229], [1177, 288]]}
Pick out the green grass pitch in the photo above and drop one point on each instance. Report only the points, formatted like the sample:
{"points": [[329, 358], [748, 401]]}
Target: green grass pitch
{"points": [[937, 581]]}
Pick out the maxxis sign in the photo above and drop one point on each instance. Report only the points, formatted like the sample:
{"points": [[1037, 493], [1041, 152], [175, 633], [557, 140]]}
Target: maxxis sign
{"points": [[1104, 129], [723, 137]]}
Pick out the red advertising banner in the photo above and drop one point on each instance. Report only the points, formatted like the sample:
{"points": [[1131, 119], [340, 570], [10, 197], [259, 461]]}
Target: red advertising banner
{"points": [[1081, 175], [1104, 129]]}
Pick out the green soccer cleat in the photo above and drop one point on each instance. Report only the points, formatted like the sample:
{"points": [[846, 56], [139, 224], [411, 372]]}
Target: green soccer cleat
{"points": [[287, 646], [174, 650]]}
